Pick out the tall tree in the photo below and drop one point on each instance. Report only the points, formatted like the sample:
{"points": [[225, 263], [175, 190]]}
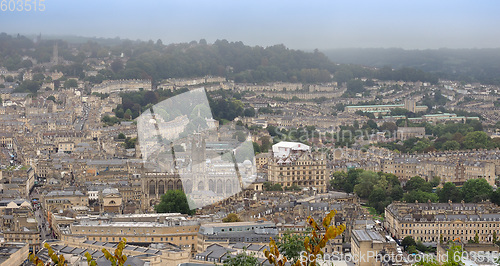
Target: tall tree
{"points": [[476, 190], [291, 245], [449, 192], [174, 201]]}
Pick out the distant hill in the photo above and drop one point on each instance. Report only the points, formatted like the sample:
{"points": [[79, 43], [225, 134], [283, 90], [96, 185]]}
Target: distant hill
{"points": [[469, 65]]}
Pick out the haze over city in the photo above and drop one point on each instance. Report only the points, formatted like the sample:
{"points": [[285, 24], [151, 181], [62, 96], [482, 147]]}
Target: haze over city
{"points": [[254, 133], [296, 24]]}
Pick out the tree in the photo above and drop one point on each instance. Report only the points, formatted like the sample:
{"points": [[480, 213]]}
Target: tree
{"points": [[367, 180], [268, 186], [355, 86], [51, 98], [121, 136], [449, 192], [70, 83], [477, 140], [314, 242], [231, 218], [435, 181], [174, 201], [372, 124], [266, 143], [291, 245], [377, 199], [476, 190], [249, 112], [476, 238], [418, 183], [128, 114], [408, 241], [420, 196], [495, 197], [451, 145], [389, 126], [242, 259], [412, 250], [117, 65]]}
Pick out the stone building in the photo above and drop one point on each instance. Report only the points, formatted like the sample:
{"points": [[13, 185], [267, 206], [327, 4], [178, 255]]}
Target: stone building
{"points": [[431, 222], [60, 200], [293, 163], [404, 133], [123, 85], [240, 232], [136, 228], [369, 247]]}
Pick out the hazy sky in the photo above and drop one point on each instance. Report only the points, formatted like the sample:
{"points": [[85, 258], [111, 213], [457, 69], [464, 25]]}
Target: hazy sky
{"points": [[409, 24]]}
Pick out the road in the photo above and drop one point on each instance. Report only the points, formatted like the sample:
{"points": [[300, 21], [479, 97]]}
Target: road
{"points": [[80, 121]]}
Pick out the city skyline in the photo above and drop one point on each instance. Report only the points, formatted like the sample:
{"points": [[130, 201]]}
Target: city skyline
{"points": [[298, 25]]}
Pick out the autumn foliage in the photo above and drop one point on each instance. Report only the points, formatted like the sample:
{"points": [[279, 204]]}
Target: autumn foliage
{"points": [[313, 244]]}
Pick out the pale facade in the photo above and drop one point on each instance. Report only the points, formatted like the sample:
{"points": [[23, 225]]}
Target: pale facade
{"points": [[300, 167], [428, 222]]}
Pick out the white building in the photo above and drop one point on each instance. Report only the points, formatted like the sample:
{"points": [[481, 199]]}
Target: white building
{"points": [[285, 149]]}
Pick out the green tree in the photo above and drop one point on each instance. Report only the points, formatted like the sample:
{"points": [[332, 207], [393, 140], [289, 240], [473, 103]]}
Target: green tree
{"points": [[477, 140], [51, 98], [268, 186], [454, 255], [291, 245], [435, 181], [338, 180], [451, 145], [231, 218], [174, 201], [389, 126], [367, 180], [117, 65], [412, 249], [355, 86], [372, 124], [70, 83], [418, 183], [377, 199], [495, 197], [449, 192], [408, 241], [421, 247], [249, 112], [420, 196], [314, 241], [242, 259], [476, 190], [121, 136], [256, 147], [128, 114]]}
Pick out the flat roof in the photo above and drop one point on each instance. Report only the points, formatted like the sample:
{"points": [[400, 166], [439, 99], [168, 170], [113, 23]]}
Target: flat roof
{"points": [[368, 235]]}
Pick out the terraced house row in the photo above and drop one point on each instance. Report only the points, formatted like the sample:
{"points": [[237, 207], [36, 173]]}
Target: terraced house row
{"points": [[436, 222]]}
